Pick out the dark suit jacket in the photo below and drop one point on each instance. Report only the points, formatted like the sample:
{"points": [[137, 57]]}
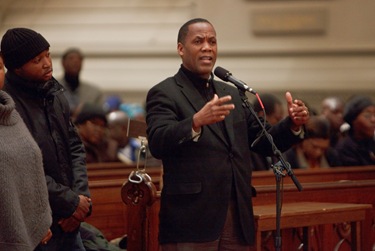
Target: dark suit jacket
{"points": [[201, 177]]}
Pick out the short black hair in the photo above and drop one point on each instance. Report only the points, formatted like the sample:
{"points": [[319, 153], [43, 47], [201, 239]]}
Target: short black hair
{"points": [[317, 127], [269, 101], [89, 111], [182, 33], [70, 51]]}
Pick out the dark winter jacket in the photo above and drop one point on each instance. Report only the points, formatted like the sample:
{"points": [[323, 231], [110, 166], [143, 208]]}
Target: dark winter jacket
{"points": [[45, 111]]}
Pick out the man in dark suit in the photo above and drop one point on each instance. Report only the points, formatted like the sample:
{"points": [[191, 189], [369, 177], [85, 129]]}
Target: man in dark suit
{"points": [[198, 127]]}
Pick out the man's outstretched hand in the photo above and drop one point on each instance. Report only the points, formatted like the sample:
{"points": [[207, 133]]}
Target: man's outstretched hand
{"points": [[297, 111]]}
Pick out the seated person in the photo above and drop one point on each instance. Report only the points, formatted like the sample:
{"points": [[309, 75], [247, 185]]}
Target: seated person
{"points": [[91, 123], [332, 108], [273, 107], [130, 153], [112, 103], [94, 240], [118, 128], [274, 113], [357, 148], [314, 151]]}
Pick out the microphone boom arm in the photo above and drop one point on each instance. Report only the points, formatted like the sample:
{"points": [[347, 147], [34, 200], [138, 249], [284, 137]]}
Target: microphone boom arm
{"points": [[284, 164]]}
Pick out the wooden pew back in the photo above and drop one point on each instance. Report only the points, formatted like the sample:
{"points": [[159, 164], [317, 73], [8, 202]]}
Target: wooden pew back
{"points": [[105, 182], [358, 192], [110, 213], [318, 175], [340, 185]]}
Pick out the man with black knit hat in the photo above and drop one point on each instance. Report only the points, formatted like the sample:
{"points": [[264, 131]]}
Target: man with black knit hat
{"points": [[358, 147], [40, 101]]}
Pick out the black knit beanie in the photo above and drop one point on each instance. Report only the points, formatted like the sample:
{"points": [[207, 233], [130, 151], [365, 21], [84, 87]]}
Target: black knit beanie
{"points": [[20, 45], [355, 106]]}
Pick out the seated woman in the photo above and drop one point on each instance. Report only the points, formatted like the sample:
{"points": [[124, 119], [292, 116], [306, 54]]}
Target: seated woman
{"points": [[358, 147], [314, 151]]}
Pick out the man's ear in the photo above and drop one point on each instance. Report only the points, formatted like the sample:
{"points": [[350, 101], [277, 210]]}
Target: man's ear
{"points": [[180, 49]]}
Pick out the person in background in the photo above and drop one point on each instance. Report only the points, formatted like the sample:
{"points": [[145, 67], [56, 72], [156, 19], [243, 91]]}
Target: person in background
{"points": [[92, 125], [332, 108], [112, 103], [94, 240], [273, 107], [77, 91], [199, 129], [274, 114], [130, 153], [133, 110], [95, 126], [118, 129], [314, 151], [40, 101], [20, 157], [357, 148]]}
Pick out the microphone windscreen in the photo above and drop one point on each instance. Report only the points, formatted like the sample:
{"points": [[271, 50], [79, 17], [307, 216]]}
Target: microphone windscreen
{"points": [[222, 73]]}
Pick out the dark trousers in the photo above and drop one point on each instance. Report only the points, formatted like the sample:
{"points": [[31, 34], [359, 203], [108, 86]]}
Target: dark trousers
{"points": [[229, 240]]}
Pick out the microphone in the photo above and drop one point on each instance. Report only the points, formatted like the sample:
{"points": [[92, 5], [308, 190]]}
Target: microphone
{"points": [[226, 76]]}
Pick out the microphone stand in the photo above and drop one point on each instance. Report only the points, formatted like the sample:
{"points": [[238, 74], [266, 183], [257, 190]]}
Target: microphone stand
{"points": [[278, 169]]}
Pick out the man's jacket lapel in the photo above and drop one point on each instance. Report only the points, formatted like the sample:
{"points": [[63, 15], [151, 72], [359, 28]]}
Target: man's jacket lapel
{"points": [[195, 99]]}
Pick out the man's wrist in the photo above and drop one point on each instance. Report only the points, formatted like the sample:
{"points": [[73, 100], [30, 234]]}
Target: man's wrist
{"points": [[76, 216], [300, 132], [296, 130]]}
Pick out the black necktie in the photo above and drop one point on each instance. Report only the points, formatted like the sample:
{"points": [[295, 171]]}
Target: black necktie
{"points": [[209, 94], [208, 91]]}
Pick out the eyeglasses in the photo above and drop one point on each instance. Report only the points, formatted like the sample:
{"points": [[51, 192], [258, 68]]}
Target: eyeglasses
{"points": [[368, 115]]}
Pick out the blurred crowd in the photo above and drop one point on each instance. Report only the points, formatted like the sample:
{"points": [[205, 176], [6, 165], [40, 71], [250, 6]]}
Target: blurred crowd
{"points": [[340, 133]]}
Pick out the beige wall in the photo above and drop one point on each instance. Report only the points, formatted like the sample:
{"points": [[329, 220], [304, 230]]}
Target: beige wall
{"points": [[313, 48]]}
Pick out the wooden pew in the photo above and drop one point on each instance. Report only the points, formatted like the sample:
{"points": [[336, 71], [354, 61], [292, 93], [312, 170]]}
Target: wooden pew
{"points": [[358, 192], [318, 175], [323, 185], [105, 182], [348, 191], [109, 211], [337, 189], [306, 216], [119, 170]]}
